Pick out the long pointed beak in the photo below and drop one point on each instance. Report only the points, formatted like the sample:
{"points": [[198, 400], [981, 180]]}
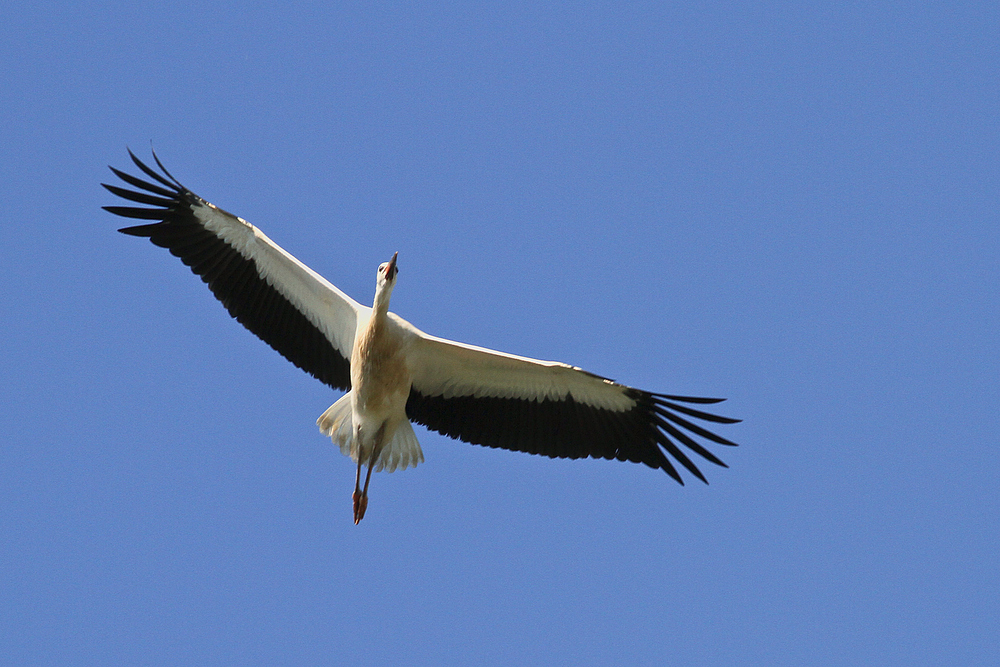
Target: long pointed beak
{"points": [[390, 270]]}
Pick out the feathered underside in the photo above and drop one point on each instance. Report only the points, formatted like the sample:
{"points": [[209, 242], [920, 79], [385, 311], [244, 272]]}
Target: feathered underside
{"points": [[240, 266], [565, 428], [511, 402]]}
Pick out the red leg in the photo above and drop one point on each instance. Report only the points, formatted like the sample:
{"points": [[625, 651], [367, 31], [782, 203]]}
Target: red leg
{"points": [[357, 495], [359, 509]]}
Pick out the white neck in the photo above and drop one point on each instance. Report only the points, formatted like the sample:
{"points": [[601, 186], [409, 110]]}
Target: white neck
{"points": [[382, 294]]}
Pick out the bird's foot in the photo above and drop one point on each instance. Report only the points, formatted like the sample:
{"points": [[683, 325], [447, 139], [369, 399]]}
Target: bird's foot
{"points": [[360, 505]]}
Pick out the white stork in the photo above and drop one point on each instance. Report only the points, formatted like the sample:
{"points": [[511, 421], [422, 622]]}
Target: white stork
{"points": [[396, 374]]}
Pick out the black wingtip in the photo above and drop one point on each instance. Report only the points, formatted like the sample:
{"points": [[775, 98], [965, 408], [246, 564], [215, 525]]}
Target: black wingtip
{"points": [[138, 230], [670, 470], [689, 399], [662, 406], [160, 165], [171, 183]]}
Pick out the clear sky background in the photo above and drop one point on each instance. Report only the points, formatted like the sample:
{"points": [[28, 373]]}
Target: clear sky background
{"points": [[791, 205]]}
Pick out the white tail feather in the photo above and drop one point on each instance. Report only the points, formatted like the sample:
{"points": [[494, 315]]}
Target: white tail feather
{"points": [[338, 423], [400, 453]]}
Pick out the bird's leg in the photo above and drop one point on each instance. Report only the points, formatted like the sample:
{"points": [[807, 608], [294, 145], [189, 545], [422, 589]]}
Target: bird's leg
{"points": [[357, 494], [359, 508], [362, 505]]}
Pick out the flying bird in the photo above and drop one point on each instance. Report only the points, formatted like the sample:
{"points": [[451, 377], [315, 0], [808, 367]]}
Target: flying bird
{"points": [[394, 373]]}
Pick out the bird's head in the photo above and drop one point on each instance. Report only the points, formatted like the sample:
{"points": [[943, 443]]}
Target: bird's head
{"points": [[385, 280]]}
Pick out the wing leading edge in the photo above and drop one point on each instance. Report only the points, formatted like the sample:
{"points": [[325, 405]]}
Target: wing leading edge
{"points": [[542, 407], [287, 305]]}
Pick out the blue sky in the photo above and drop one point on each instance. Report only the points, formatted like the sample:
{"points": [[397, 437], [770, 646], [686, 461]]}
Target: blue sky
{"points": [[791, 205]]}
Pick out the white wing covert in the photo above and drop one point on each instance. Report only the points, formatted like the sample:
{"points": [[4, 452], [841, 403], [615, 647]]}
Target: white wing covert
{"points": [[543, 407], [285, 303]]}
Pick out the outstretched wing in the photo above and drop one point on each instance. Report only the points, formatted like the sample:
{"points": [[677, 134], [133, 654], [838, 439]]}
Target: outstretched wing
{"points": [[544, 407], [288, 305]]}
